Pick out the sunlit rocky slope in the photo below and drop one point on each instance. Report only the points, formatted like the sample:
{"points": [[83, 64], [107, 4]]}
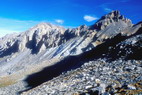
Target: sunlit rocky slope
{"points": [[104, 58]]}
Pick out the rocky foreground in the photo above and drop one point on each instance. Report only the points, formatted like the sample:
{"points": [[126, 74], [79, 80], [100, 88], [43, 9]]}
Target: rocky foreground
{"points": [[94, 78]]}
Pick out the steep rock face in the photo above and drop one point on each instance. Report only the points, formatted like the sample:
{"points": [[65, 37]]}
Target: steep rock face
{"points": [[39, 38], [45, 35], [90, 36], [110, 25], [110, 18], [75, 32], [18, 51], [8, 45]]}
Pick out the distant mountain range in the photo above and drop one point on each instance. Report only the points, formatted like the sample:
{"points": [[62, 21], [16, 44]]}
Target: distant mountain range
{"points": [[104, 58]]}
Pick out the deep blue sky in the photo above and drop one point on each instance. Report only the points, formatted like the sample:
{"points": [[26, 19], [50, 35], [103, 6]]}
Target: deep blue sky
{"points": [[19, 15]]}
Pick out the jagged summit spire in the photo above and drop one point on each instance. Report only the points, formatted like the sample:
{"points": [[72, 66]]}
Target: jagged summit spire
{"points": [[109, 18], [115, 15]]}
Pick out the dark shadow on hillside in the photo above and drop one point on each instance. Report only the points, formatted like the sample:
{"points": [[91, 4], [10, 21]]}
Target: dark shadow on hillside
{"points": [[73, 62], [50, 72], [130, 52], [10, 50], [35, 48]]}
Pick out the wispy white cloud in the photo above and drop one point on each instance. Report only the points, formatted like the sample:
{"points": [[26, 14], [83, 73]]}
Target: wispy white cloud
{"points": [[107, 9], [59, 21], [89, 18]]}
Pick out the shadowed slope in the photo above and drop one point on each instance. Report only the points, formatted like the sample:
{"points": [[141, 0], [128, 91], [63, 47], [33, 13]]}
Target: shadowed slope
{"points": [[72, 62], [13, 49]]}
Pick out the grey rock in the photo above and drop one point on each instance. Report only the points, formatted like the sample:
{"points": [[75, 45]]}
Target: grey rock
{"points": [[46, 44]]}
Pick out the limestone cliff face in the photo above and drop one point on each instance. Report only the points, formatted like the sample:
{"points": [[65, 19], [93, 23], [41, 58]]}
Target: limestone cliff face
{"points": [[38, 38], [45, 35]]}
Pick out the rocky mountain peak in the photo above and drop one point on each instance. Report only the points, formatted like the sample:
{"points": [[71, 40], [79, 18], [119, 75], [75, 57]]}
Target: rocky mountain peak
{"points": [[48, 27], [38, 38], [112, 17]]}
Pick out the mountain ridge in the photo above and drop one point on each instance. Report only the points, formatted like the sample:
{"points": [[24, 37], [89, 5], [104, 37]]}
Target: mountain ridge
{"points": [[111, 39]]}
